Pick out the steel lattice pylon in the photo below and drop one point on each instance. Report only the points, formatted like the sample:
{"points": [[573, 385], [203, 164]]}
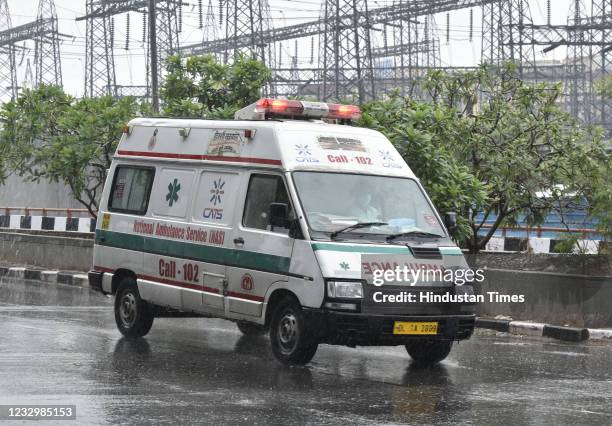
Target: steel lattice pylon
{"points": [[245, 17], [167, 31], [99, 57], [47, 57], [602, 59], [8, 70], [346, 57], [507, 32]]}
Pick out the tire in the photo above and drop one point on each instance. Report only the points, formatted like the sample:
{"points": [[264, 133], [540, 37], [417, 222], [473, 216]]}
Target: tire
{"points": [[429, 351], [291, 340], [134, 316], [251, 329]]}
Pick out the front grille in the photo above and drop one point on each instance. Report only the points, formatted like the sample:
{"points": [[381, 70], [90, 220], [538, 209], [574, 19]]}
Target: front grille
{"points": [[425, 252]]}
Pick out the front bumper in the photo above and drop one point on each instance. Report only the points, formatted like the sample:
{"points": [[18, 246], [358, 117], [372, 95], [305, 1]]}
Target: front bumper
{"points": [[352, 329]]}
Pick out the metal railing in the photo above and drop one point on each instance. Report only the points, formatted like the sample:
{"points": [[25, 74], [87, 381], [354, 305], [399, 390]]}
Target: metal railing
{"points": [[538, 230]]}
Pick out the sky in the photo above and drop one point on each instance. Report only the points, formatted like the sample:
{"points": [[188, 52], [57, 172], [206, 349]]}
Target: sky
{"points": [[130, 70]]}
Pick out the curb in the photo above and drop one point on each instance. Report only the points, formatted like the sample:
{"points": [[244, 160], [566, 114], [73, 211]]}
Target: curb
{"points": [[567, 334], [77, 279]]}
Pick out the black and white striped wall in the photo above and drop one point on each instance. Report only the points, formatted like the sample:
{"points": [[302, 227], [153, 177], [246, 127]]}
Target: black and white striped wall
{"points": [[48, 223], [539, 245]]}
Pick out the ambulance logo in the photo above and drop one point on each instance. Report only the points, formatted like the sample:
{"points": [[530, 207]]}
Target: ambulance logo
{"points": [[217, 191], [304, 154], [388, 160], [303, 150], [173, 190]]}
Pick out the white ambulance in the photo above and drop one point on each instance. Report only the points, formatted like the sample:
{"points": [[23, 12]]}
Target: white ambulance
{"points": [[275, 220]]}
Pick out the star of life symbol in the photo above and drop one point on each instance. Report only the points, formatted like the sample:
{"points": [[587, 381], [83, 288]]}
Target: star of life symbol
{"points": [[173, 189], [344, 265], [217, 191]]}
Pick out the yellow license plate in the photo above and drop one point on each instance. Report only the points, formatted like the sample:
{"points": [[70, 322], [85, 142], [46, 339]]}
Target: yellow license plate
{"points": [[403, 327]]}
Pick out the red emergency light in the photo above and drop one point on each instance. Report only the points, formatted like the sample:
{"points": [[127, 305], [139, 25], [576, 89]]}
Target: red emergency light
{"points": [[266, 107]]}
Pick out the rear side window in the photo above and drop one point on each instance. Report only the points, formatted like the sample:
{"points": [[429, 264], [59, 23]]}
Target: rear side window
{"points": [[263, 190], [131, 189]]}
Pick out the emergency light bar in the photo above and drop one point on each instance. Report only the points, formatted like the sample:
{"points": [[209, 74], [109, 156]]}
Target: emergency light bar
{"points": [[267, 108]]}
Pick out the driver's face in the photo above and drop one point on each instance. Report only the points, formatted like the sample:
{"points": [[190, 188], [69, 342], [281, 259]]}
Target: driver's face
{"points": [[364, 198]]}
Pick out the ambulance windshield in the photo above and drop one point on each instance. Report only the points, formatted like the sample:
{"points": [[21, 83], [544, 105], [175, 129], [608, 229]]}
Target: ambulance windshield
{"points": [[333, 201]]}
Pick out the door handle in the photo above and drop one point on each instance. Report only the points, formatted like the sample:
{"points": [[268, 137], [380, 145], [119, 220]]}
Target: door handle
{"points": [[239, 241]]}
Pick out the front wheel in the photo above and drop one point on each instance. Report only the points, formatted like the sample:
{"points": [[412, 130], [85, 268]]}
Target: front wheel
{"points": [[292, 342], [133, 315], [429, 351]]}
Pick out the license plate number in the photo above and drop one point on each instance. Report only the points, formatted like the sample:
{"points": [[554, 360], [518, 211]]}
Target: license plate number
{"points": [[403, 327]]}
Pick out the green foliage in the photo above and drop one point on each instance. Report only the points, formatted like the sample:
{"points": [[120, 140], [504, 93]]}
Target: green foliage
{"points": [[604, 87], [424, 135], [513, 152], [46, 134], [202, 87]]}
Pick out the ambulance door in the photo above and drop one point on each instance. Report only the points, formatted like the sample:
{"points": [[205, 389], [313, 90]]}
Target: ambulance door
{"points": [[210, 230], [263, 252]]}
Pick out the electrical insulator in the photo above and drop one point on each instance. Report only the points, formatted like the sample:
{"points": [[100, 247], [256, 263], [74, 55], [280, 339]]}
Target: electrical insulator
{"points": [[471, 24], [127, 31], [201, 19]]}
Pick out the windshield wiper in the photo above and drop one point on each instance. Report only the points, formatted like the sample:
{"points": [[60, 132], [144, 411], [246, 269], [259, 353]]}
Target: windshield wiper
{"points": [[356, 226], [413, 234]]}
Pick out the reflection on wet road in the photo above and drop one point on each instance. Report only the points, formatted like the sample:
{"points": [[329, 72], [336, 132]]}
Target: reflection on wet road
{"points": [[59, 345]]}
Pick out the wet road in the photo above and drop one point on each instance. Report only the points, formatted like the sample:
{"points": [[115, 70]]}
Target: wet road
{"points": [[59, 345]]}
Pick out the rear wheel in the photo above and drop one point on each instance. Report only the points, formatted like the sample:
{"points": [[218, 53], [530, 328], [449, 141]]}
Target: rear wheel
{"points": [[251, 329], [134, 316], [292, 342], [425, 351]]}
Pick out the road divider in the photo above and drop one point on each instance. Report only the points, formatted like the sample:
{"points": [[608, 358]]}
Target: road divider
{"points": [[527, 328], [78, 279]]}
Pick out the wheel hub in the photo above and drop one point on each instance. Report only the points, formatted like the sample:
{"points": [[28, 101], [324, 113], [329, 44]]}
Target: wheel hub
{"points": [[127, 309], [287, 331]]}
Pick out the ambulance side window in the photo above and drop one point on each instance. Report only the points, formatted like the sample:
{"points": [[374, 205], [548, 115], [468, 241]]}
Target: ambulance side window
{"points": [[131, 189], [263, 190]]}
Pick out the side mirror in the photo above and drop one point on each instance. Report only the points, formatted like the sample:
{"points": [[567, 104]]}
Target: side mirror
{"points": [[450, 221], [279, 215]]}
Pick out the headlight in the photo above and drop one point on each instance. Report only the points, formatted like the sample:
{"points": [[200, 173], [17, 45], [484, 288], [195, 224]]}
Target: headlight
{"points": [[345, 289]]}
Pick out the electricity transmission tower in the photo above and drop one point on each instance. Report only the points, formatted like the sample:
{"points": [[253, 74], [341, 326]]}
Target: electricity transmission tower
{"points": [[45, 34], [99, 56], [507, 34], [8, 70], [210, 26], [47, 57], [346, 57], [100, 13], [250, 19]]}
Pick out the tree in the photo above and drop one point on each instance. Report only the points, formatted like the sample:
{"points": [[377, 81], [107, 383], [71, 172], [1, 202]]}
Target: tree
{"points": [[493, 146], [47, 134], [421, 132], [202, 87]]}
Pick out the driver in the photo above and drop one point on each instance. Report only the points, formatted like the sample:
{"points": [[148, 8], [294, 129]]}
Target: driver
{"points": [[364, 211]]}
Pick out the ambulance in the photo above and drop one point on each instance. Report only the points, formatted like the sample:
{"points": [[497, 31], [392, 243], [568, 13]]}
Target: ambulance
{"points": [[278, 221]]}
